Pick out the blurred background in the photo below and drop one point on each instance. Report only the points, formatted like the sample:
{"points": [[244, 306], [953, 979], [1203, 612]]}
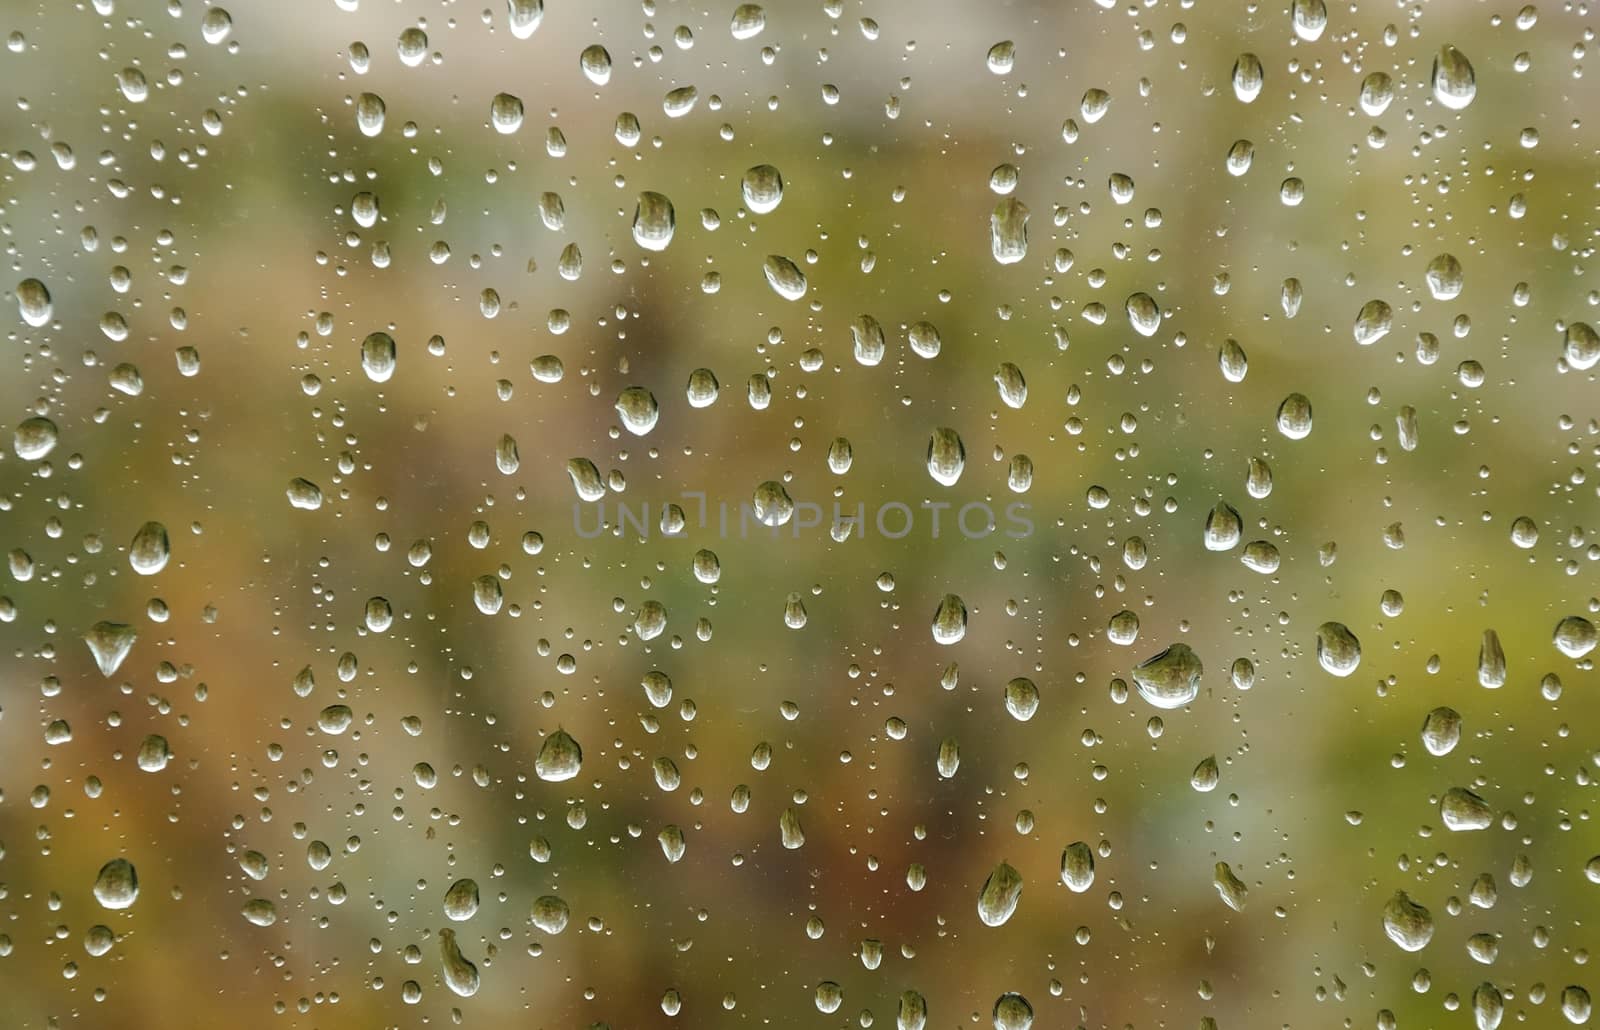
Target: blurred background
{"points": [[176, 178]]}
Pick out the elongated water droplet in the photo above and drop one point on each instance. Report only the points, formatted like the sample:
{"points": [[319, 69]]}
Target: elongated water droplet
{"points": [[947, 456], [1454, 83], [653, 221], [370, 112], [150, 549], [33, 302], [586, 479], [1077, 867], [1310, 18], [1294, 416], [912, 1012], [1008, 231], [595, 61], [1488, 1006], [997, 901], [950, 620], [1248, 77], [1223, 528], [1002, 57], [785, 278], [1492, 669], [460, 975], [378, 357], [1233, 362], [1229, 887], [524, 16], [792, 835]]}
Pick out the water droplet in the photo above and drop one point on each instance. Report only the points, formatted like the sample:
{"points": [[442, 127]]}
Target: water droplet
{"points": [[461, 900], [505, 113], [34, 438], [1407, 923], [1377, 92], [1581, 346], [1338, 650], [1373, 322], [1441, 730], [370, 112], [150, 549], [786, 280], [1454, 83], [559, 758], [117, 884], [460, 975], [595, 61], [34, 303], [1248, 76], [748, 21], [790, 832], [1143, 314], [1013, 388], [1008, 231], [1002, 57], [109, 643], [524, 16], [1022, 698], [1310, 18], [1294, 416], [924, 339], [1223, 528], [1170, 679], [762, 187], [1462, 810], [1575, 636], [772, 504], [1012, 1012], [947, 456], [1444, 277], [1077, 867], [997, 901], [950, 620], [585, 479], [653, 221], [549, 914], [1229, 887], [378, 357]]}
